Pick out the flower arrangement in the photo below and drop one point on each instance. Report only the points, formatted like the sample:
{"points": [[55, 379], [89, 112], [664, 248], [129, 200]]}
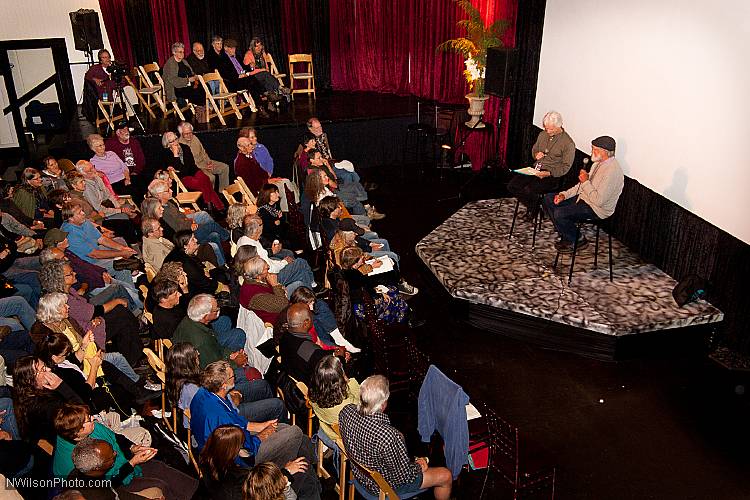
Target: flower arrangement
{"points": [[473, 47]]}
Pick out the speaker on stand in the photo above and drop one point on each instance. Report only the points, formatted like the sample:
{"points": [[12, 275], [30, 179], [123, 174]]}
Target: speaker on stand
{"points": [[500, 82]]}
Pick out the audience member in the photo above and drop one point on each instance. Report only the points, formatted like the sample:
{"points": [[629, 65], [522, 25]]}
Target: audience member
{"points": [[180, 81], [211, 168], [260, 152], [267, 481], [109, 164], [371, 440], [325, 326], [30, 197], [261, 292], [99, 75], [258, 62], [52, 175], [330, 391], [186, 253], [116, 214], [247, 166]]}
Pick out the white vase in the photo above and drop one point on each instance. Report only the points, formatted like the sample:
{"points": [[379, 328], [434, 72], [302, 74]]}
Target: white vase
{"points": [[476, 110]]}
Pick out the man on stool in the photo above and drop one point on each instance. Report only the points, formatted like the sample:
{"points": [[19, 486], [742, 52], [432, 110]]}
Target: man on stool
{"points": [[594, 197]]}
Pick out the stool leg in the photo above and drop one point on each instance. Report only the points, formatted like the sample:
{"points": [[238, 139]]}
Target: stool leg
{"points": [[596, 247], [513, 224], [610, 256], [575, 250]]}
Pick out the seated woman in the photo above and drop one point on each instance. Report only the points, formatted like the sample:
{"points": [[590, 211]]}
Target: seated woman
{"points": [[180, 80], [237, 270], [261, 291], [275, 226], [186, 252], [254, 399], [86, 375], [73, 424], [279, 443], [317, 188], [52, 317], [53, 176], [31, 198], [389, 305], [236, 221], [352, 193], [329, 392], [224, 473], [179, 157], [37, 395], [109, 164], [77, 184]]}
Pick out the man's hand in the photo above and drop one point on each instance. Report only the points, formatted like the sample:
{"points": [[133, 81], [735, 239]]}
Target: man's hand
{"points": [[296, 465], [98, 81], [194, 227], [559, 197], [539, 155], [239, 357], [49, 214], [376, 246], [106, 277], [4, 436], [542, 173], [272, 279], [583, 176], [276, 247], [126, 209], [127, 251], [289, 259], [4, 253], [377, 264], [49, 380], [143, 455], [259, 427], [210, 165], [422, 464], [37, 225]]}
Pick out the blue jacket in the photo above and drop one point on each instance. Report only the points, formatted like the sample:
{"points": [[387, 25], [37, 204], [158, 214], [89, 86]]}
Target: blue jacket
{"points": [[208, 411], [442, 408]]}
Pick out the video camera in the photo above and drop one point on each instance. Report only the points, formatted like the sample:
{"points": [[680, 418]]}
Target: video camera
{"points": [[117, 71]]}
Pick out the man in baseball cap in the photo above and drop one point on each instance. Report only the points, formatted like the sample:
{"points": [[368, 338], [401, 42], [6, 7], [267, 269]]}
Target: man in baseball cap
{"points": [[594, 197]]}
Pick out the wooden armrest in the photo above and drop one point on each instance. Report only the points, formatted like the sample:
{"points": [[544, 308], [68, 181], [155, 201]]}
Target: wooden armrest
{"points": [[189, 197]]}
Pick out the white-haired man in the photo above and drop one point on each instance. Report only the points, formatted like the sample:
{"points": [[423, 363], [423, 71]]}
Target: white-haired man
{"points": [[553, 154], [212, 168], [598, 190], [371, 440]]}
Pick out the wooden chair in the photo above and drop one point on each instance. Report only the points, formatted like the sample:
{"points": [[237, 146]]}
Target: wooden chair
{"points": [[46, 447], [182, 195], [308, 75], [340, 487], [191, 455], [175, 107], [141, 90], [310, 415], [150, 272], [157, 364], [239, 186], [274, 69], [105, 113], [223, 97], [148, 90]]}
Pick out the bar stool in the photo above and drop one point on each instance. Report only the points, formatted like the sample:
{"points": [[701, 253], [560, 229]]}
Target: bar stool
{"points": [[599, 224], [537, 219]]}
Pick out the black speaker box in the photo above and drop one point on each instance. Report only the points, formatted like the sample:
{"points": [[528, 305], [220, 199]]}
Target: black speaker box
{"points": [[499, 78], [86, 31]]}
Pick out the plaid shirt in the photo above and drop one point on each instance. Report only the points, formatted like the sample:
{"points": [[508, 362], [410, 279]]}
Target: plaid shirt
{"points": [[372, 441]]}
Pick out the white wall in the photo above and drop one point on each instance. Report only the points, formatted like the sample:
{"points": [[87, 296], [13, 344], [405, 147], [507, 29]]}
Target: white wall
{"points": [[669, 80], [28, 19]]}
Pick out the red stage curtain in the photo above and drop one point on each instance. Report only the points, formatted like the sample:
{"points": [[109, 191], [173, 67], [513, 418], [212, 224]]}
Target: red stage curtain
{"points": [[170, 26], [116, 24], [295, 27]]}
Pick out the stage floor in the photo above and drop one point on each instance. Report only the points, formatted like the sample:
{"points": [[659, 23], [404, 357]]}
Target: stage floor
{"points": [[472, 257]]}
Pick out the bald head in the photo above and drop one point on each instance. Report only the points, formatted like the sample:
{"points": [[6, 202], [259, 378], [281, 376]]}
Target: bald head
{"points": [[298, 317]]}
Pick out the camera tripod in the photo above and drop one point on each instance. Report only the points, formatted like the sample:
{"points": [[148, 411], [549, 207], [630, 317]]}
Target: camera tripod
{"points": [[121, 99]]}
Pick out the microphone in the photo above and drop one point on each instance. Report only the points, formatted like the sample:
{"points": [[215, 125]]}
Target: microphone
{"points": [[586, 164]]}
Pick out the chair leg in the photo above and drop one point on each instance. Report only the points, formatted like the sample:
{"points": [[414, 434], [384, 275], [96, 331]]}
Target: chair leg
{"points": [[609, 237], [573, 256], [596, 248], [537, 223], [515, 215]]}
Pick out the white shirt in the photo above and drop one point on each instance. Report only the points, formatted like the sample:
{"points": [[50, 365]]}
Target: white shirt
{"points": [[274, 266]]}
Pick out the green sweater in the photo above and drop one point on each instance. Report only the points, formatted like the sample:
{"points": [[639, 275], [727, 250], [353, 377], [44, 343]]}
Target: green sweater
{"points": [[560, 151], [203, 339]]}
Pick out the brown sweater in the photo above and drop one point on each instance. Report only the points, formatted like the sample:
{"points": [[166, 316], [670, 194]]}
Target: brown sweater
{"points": [[560, 151]]}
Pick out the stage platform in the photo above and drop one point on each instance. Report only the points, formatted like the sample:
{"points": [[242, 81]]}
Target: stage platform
{"points": [[368, 126], [512, 289]]}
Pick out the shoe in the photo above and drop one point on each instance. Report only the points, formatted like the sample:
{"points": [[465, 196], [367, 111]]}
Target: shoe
{"points": [[143, 395], [150, 386], [583, 243], [564, 246], [157, 414], [373, 214], [415, 322], [407, 289]]}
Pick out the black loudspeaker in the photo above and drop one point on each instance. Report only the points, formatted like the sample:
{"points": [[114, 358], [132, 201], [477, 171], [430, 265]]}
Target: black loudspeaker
{"points": [[499, 77], [87, 34]]}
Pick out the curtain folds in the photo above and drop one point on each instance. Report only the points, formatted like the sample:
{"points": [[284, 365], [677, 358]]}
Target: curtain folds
{"points": [[170, 25], [116, 24], [139, 20]]}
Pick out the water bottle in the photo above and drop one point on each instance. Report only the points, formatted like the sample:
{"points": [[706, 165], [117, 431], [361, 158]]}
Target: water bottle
{"points": [[105, 97]]}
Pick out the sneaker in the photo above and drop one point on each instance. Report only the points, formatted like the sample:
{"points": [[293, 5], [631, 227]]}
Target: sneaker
{"points": [[151, 386], [158, 414], [373, 214], [407, 289]]}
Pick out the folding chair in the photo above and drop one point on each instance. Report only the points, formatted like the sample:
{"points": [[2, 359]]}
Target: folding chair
{"points": [[191, 455], [274, 69], [157, 364], [223, 97], [239, 186], [142, 90], [176, 108], [310, 415], [107, 111], [148, 89], [308, 75], [182, 195]]}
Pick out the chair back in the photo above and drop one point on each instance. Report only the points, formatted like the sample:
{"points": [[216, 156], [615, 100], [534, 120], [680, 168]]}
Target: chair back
{"points": [[145, 72], [298, 58], [239, 186], [385, 489]]}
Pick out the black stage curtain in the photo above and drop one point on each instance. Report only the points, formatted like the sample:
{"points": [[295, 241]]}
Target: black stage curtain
{"points": [[320, 22], [241, 20], [141, 29]]}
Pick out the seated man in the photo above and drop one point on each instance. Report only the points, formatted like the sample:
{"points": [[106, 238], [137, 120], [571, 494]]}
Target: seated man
{"points": [[299, 354], [90, 245], [205, 227], [553, 153], [372, 441], [131, 153], [246, 166], [266, 441], [203, 319], [291, 271], [97, 74], [237, 76], [598, 190], [198, 61], [117, 214], [261, 153], [169, 310], [212, 168]]}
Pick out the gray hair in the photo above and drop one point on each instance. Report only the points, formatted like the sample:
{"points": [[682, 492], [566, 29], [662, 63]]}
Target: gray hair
{"points": [[47, 255], [81, 165], [93, 137], [52, 276], [148, 224], [199, 306], [164, 140], [157, 187], [86, 457], [254, 267], [176, 46], [217, 38], [373, 394], [149, 206], [253, 225], [553, 118], [49, 307], [183, 126]]}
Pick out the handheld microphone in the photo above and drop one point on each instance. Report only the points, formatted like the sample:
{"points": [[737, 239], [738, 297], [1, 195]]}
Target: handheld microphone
{"points": [[586, 164]]}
